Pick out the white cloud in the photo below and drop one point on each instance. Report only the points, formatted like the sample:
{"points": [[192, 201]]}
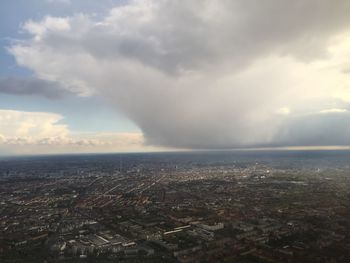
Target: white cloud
{"points": [[283, 111], [41, 132], [333, 111], [205, 74], [31, 125], [56, 24]]}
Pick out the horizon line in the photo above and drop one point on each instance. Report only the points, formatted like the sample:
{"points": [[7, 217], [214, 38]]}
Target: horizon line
{"points": [[253, 149]]}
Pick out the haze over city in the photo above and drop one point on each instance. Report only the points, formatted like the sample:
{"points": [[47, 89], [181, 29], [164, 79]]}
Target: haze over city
{"points": [[142, 75]]}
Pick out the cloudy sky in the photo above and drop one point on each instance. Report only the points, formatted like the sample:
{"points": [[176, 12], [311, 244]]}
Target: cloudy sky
{"points": [[147, 75]]}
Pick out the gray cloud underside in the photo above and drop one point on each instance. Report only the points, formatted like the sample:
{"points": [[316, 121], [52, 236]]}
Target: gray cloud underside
{"points": [[203, 74], [191, 35], [33, 86], [316, 130]]}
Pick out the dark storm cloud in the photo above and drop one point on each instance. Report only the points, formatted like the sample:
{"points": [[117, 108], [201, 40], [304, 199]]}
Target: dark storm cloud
{"points": [[331, 128], [204, 73]]}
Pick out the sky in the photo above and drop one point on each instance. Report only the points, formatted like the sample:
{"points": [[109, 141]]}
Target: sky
{"points": [[82, 76]]}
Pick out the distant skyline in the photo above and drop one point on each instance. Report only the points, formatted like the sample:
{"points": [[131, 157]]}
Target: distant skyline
{"points": [[85, 76]]}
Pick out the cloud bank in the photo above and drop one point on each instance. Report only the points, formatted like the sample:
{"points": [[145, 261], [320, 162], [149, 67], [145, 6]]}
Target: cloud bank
{"points": [[42, 132], [205, 73]]}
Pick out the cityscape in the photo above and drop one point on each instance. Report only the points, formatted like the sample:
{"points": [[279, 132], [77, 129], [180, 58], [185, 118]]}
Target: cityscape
{"points": [[174, 131], [246, 207]]}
